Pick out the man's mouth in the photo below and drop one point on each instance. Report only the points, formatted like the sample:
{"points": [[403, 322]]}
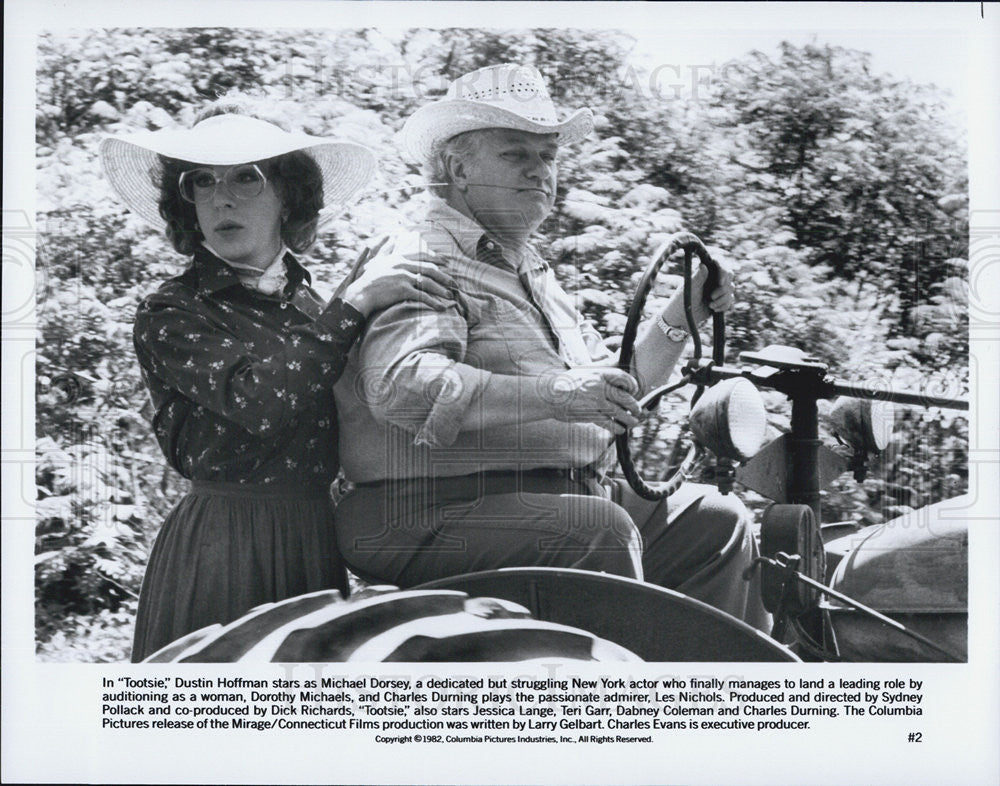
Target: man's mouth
{"points": [[225, 226]]}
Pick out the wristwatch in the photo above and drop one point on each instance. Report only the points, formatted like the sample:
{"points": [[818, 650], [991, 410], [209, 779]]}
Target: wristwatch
{"points": [[676, 334]]}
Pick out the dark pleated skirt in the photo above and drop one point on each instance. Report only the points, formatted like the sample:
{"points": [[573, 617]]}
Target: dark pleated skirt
{"points": [[228, 547]]}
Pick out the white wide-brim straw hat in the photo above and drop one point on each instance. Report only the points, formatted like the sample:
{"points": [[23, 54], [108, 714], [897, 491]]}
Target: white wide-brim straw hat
{"points": [[132, 162], [500, 96]]}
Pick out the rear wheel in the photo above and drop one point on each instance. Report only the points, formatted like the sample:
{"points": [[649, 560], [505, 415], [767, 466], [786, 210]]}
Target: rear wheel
{"points": [[382, 624], [655, 623]]}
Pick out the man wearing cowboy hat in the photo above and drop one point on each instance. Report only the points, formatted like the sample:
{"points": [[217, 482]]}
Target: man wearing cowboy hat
{"points": [[473, 434]]}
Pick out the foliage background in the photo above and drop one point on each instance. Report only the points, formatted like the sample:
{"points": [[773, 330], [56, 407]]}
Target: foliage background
{"points": [[838, 195]]}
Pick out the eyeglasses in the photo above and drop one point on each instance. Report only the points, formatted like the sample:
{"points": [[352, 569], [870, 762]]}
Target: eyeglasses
{"points": [[242, 182]]}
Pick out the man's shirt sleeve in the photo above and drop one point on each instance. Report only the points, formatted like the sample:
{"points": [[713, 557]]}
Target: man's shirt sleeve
{"points": [[412, 370], [599, 352]]}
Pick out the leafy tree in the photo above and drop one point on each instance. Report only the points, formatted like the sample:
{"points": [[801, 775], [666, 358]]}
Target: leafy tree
{"points": [[859, 163]]}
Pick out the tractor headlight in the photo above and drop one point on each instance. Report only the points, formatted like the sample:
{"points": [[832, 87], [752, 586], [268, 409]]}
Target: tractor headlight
{"points": [[866, 426], [730, 419]]}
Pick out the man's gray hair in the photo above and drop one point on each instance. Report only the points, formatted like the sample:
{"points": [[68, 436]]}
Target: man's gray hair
{"points": [[435, 170]]}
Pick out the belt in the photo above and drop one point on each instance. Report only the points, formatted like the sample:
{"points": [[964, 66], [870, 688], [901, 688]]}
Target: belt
{"points": [[259, 490], [542, 481]]}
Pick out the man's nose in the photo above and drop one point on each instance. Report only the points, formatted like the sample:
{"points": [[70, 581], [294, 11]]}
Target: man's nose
{"points": [[539, 168]]}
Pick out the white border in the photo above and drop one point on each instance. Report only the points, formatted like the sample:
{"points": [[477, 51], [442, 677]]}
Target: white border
{"points": [[49, 730]]}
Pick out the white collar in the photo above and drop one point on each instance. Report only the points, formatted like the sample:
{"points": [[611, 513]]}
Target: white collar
{"points": [[270, 281]]}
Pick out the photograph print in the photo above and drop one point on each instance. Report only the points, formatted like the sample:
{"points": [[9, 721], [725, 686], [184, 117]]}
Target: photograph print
{"points": [[478, 344]]}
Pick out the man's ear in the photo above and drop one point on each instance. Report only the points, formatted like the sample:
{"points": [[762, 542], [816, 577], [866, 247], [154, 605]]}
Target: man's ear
{"points": [[455, 167]]}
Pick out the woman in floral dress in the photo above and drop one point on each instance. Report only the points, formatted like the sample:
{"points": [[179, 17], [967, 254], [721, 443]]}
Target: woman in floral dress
{"points": [[240, 356]]}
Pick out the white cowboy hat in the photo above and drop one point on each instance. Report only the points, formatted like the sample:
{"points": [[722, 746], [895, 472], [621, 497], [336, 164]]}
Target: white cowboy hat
{"points": [[132, 162], [500, 96]]}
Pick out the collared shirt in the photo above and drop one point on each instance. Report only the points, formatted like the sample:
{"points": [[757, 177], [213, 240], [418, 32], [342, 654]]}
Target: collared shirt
{"points": [[270, 281], [417, 371], [241, 382]]}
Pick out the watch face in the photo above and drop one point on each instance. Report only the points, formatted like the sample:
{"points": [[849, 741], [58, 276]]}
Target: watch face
{"points": [[676, 334]]}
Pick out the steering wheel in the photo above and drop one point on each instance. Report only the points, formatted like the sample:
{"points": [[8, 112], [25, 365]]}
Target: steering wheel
{"points": [[690, 245]]}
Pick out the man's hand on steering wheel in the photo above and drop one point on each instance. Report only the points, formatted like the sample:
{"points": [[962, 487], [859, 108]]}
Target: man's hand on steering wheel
{"points": [[597, 394], [722, 299], [675, 315]]}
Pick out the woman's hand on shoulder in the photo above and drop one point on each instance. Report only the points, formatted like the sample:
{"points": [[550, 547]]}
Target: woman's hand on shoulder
{"points": [[391, 276]]}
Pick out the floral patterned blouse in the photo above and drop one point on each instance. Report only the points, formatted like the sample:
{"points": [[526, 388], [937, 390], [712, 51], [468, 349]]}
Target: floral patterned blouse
{"points": [[241, 382]]}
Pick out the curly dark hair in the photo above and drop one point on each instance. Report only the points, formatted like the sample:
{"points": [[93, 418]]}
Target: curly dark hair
{"points": [[296, 177]]}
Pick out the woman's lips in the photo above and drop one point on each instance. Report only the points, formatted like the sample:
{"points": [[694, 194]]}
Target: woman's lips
{"points": [[227, 227]]}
